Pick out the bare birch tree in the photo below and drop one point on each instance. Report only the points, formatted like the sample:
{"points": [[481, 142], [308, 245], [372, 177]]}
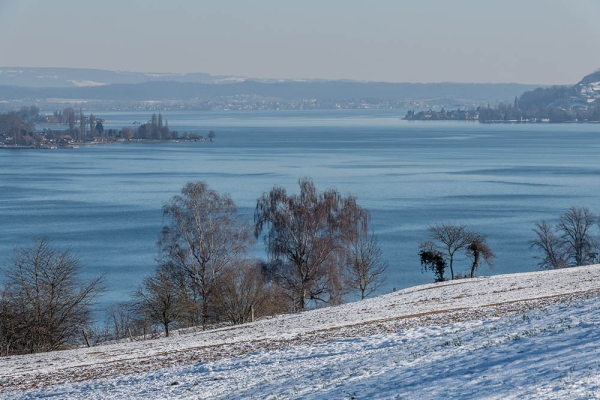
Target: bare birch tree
{"points": [[307, 239], [203, 236]]}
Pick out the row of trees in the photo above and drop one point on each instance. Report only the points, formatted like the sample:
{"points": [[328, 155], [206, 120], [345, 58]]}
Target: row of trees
{"points": [[13, 127], [318, 245], [574, 240], [319, 250], [18, 128]]}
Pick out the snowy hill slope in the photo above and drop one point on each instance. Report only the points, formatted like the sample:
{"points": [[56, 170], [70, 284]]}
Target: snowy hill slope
{"points": [[531, 334]]}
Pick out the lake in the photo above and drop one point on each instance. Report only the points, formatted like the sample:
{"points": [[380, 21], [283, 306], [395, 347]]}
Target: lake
{"points": [[105, 201]]}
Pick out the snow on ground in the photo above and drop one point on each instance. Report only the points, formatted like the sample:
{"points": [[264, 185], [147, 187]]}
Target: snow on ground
{"points": [[508, 336], [548, 353]]}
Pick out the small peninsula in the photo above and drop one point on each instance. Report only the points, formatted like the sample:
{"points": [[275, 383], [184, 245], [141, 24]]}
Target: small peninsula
{"points": [[74, 129]]}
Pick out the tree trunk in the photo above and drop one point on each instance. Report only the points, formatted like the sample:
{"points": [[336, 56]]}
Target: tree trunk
{"points": [[303, 300]]}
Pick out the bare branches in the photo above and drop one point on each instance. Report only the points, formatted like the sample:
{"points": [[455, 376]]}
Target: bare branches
{"points": [[366, 270], [162, 297], [570, 243], [439, 252], [202, 237], [479, 250], [44, 302], [575, 225], [308, 235], [244, 293], [450, 239], [550, 245]]}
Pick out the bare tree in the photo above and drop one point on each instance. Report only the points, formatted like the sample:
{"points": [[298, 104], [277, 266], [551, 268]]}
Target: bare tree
{"points": [[242, 293], [9, 324], [450, 239], [550, 245], [479, 250], [366, 270], [162, 297], [432, 260], [575, 227], [122, 319], [570, 243], [46, 300], [203, 236], [307, 239]]}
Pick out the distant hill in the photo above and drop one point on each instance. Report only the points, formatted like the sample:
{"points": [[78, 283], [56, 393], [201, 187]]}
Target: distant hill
{"points": [[81, 77], [584, 95], [320, 93]]}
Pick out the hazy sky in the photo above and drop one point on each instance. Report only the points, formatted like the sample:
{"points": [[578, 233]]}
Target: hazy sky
{"points": [[525, 41]]}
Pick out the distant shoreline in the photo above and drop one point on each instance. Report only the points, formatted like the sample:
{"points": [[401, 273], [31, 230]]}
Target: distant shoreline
{"points": [[86, 144]]}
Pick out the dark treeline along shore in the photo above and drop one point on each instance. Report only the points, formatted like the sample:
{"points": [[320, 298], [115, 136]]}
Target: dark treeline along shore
{"points": [[578, 103], [320, 252], [17, 130]]}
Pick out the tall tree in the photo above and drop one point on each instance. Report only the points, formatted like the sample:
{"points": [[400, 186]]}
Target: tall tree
{"points": [[307, 238], [81, 126], [92, 120], [69, 116], [203, 236]]}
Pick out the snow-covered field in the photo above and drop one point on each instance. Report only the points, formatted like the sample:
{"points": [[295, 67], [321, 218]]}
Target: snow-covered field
{"points": [[533, 335]]}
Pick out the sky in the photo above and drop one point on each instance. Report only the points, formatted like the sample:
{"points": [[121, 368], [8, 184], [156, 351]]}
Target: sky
{"points": [[521, 41]]}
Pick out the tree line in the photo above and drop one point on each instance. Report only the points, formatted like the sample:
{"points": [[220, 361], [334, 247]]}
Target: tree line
{"points": [[574, 240], [319, 251], [17, 128], [319, 248]]}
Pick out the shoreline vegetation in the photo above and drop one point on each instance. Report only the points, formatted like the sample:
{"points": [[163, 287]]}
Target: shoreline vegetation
{"points": [[17, 131], [494, 116], [579, 103]]}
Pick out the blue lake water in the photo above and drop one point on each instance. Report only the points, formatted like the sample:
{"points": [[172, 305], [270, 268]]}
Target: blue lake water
{"points": [[105, 201]]}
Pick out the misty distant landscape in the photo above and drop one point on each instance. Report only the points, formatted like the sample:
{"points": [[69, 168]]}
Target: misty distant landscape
{"points": [[88, 88]]}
